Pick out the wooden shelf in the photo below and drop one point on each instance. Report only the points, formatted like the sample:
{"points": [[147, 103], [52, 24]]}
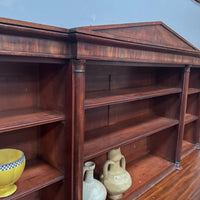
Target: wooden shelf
{"points": [[19, 119], [109, 97], [193, 91], [187, 147], [123, 133], [190, 118], [36, 176], [146, 172]]}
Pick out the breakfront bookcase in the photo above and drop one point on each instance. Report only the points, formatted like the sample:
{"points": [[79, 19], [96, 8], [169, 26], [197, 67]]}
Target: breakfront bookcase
{"points": [[69, 96], [137, 87]]}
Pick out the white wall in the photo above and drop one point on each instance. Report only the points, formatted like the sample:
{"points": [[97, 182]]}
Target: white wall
{"points": [[183, 16]]}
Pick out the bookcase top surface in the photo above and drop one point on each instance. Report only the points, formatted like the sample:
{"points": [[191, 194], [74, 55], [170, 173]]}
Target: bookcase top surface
{"points": [[155, 34], [30, 25]]}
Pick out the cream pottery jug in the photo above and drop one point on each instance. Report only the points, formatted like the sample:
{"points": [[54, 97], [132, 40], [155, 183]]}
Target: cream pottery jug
{"points": [[115, 177], [92, 188]]}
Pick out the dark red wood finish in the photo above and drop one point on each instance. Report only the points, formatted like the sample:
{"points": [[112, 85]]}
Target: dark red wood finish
{"points": [[182, 114], [65, 91], [79, 88], [35, 101], [136, 97]]}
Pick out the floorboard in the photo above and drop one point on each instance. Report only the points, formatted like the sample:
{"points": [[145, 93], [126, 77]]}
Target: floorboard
{"points": [[181, 184]]}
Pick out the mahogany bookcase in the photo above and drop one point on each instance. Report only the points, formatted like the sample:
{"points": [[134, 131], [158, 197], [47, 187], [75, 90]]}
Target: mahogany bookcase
{"points": [[136, 87], [69, 96]]}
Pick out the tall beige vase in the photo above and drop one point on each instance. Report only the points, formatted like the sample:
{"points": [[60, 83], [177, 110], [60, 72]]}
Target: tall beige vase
{"points": [[92, 188], [115, 177]]}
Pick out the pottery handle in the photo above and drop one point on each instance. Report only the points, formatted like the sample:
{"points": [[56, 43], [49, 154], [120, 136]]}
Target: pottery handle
{"points": [[123, 162], [105, 168], [84, 170]]}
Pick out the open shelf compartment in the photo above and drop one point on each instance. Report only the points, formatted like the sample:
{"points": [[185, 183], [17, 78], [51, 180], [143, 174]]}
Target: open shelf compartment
{"points": [[194, 84], [140, 117], [32, 112], [117, 125], [122, 133], [109, 85], [148, 160], [36, 176], [190, 137]]}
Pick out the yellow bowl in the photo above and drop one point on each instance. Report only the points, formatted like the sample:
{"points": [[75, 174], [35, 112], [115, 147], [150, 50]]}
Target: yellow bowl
{"points": [[12, 163]]}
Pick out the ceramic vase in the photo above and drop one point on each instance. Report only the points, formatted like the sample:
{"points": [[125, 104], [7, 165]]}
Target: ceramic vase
{"points": [[115, 177], [92, 188]]}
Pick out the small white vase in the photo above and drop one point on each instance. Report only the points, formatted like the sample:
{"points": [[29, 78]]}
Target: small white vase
{"points": [[92, 188]]}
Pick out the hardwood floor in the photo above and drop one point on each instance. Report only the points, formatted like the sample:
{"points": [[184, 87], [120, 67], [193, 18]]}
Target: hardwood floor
{"points": [[181, 184]]}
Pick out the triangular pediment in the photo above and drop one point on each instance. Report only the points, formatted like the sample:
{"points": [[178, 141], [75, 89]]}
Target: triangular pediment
{"points": [[153, 33]]}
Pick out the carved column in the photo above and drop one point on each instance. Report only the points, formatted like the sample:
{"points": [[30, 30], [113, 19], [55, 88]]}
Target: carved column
{"points": [[183, 107], [78, 67]]}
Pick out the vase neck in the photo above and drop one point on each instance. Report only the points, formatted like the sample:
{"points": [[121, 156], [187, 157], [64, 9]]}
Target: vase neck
{"points": [[89, 176], [115, 167]]}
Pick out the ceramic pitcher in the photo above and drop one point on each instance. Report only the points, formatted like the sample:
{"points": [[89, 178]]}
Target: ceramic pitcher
{"points": [[115, 177], [92, 188]]}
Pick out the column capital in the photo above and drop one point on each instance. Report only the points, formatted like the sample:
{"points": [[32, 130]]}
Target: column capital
{"points": [[187, 68], [78, 66]]}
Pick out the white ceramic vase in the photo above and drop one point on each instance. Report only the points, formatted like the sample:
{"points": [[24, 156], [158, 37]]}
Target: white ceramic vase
{"points": [[92, 188], [115, 177]]}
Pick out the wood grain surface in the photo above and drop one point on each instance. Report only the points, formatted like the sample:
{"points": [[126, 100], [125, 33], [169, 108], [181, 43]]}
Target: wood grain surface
{"points": [[181, 184]]}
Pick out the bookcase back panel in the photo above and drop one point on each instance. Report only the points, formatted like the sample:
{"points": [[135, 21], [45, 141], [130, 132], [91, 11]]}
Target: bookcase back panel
{"points": [[135, 150], [18, 86], [52, 144], [25, 140], [193, 104], [53, 192], [163, 143], [95, 118], [168, 106], [190, 132], [112, 77], [130, 77], [169, 77], [118, 77], [25, 85], [194, 78], [52, 87], [108, 115], [97, 78], [126, 111]]}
